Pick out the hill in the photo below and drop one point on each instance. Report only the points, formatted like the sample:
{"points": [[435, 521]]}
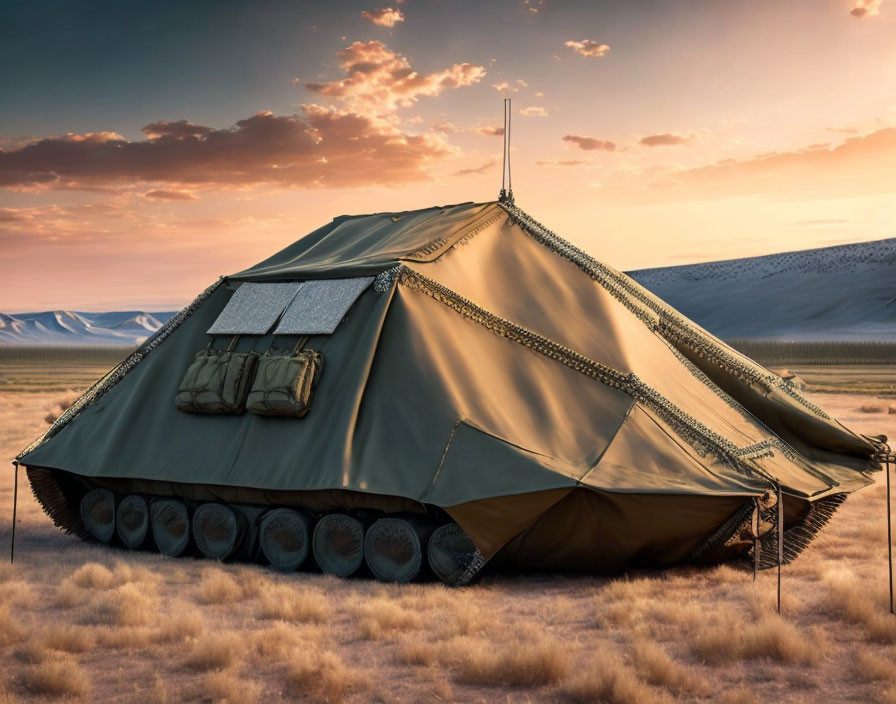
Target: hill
{"points": [[62, 327], [846, 292]]}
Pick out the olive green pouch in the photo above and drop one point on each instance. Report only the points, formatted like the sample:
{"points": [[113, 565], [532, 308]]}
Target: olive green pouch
{"points": [[284, 384], [216, 381]]}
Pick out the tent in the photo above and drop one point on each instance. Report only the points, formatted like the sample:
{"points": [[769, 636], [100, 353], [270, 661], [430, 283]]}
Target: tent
{"points": [[479, 366]]}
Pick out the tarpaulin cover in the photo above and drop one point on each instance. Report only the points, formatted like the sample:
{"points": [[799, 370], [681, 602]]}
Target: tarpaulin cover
{"points": [[542, 400]]}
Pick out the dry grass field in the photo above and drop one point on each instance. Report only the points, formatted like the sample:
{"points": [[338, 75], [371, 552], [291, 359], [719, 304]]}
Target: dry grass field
{"points": [[83, 623]]}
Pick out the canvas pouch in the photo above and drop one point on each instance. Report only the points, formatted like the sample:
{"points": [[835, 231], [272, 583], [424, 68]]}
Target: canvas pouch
{"points": [[284, 383], [217, 382]]}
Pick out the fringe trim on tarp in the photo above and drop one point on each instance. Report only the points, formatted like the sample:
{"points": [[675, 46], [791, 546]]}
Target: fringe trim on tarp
{"points": [[692, 431], [725, 531], [797, 538], [655, 314], [54, 500], [116, 374]]}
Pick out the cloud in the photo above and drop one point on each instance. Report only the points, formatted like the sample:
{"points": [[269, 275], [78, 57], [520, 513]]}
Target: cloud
{"points": [[490, 131], [588, 47], [379, 80], [384, 17], [446, 128], [663, 140], [569, 162], [534, 111], [179, 129], [320, 148], [858, 166], [866, 8], [590, 143], [488, 166], [505, 87], [161, 194]]}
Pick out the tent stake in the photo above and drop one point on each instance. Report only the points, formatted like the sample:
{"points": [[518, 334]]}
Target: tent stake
{"points": [[15, 503], [756, 542], [780, 541], [889, 532]]}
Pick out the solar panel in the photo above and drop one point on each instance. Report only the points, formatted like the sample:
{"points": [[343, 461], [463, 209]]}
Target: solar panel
{"points": [[254, 308], [320, 305]]}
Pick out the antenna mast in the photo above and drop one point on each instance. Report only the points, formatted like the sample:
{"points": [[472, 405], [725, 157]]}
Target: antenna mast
{"points": [[506, 195]]}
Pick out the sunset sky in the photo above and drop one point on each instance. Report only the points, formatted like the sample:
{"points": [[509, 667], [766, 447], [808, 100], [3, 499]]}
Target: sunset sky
{"points": [[147, 148]]}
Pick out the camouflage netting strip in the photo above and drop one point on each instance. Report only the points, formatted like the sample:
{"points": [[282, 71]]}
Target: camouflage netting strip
{"points": [[116, 374], [657, 315], [797, 538], [692, 431]]}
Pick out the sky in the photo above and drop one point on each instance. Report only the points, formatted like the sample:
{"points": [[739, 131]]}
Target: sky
{"points": [[148, 148]]}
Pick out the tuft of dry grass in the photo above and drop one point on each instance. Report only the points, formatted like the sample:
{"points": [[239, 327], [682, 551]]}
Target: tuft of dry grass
{"points": [[57, 678], [215, 651], [607, 679], [851, 598], [532, 662], [5, 696], [184, 623], [70, 595], [127, 606], [655, 667], [323, 676], [10, 631], [17, 592], [68, 638], [229, 688], [32, 653], [284, 603], [382, 618], [93, 575], [770, 637], [871, 667], [417, 650], [282, 642], [218, 587], [61, 405]]}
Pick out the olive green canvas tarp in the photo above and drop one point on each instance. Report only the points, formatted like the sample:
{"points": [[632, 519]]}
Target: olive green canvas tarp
{"points": [[489, 360]]}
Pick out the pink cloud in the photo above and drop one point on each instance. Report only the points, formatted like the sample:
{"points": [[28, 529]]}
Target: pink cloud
{"points": [[379, 80], [866, 8], [534, 111], [588, 48], [488, 166], [162, 194], [663, 140], [384, 17], [858, 166], [569, 162], [489, 131], [321, 148], [590, 144]]}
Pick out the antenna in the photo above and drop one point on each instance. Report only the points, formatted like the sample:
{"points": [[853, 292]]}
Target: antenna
{"points": [[506, 196]]}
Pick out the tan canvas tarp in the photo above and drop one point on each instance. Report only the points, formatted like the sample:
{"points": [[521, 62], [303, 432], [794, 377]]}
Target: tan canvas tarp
{"points": [[492, 370]]}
